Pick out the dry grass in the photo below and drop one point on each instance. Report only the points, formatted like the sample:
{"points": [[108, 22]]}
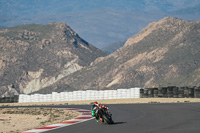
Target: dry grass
{"points": [[14, 120]]}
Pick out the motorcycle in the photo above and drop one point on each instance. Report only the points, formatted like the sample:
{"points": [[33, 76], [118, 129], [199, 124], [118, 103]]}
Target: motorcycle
{"points": [[105, 116]]}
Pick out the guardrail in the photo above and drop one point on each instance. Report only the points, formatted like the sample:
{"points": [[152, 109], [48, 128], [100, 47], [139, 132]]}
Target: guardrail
{"points": [[81, 95]]}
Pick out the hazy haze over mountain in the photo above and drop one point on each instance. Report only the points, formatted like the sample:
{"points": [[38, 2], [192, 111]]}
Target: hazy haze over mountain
{"points": [[100, 22]]}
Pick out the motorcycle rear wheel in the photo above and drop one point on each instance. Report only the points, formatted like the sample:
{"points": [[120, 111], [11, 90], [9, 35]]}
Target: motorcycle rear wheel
{"points": [[107, 120]]}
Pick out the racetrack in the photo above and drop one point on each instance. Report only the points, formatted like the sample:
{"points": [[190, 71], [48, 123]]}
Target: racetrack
{"points": [[142, 118]]}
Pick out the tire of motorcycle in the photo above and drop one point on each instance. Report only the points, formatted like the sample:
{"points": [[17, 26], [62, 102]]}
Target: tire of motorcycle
{"points": [[107, 120]]}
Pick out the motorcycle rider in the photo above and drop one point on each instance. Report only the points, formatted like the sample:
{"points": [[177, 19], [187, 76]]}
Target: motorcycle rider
{"points": [[95, 109]]}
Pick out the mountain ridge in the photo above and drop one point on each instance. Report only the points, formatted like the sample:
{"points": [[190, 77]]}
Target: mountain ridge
{"points": [[36, 56], [164, 53]]}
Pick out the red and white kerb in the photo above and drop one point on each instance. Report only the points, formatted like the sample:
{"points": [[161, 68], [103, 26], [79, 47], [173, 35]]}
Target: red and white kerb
{"points": [[85, 116]]}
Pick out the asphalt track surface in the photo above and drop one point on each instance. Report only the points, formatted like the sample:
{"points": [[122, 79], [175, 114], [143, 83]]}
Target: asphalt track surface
{"points": [[141, 118]]}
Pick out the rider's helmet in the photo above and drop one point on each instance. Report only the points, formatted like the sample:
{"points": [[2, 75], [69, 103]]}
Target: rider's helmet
{"points": [[100, 106], [96, 103]]}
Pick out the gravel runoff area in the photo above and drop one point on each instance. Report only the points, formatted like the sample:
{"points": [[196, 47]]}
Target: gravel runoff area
{"points": [[15, 120]]}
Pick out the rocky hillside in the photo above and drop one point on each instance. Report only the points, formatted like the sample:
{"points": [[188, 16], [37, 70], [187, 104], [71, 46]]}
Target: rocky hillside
{"points": [[164, 53], [33, 56]]}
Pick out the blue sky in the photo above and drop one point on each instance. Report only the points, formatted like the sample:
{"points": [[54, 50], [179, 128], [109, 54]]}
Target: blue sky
{"points": [[100, 22]]}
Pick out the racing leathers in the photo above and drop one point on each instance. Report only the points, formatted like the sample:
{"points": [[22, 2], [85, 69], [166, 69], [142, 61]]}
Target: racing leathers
{"points": [[96, 108]]}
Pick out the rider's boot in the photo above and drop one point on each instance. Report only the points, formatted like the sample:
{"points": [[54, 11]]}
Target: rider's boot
{"points": [[97, 118]]}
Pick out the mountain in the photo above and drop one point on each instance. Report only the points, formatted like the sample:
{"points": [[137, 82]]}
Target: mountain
{"points": [[35, 56], [164, 53], [100, 22]]}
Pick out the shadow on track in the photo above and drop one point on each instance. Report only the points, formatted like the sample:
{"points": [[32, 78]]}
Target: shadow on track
{"points": [[116, 123]]}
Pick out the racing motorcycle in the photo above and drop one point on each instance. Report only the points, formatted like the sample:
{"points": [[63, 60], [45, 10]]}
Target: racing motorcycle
{"points": [[105, 115]]}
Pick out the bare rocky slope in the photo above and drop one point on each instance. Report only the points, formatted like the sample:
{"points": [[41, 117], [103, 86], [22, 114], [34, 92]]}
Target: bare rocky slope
{"points": [[33, 56], [164, 53]]}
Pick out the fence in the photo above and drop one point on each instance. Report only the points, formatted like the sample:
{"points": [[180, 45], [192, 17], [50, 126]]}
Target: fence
{"points": [[81, 95]]}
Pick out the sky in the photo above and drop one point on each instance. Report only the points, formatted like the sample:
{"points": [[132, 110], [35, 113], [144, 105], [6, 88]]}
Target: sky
{"points": [[100, 22]]}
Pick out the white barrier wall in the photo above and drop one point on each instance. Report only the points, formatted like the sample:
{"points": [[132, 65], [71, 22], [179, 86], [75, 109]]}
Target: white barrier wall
{"points": [[81, 95]]}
